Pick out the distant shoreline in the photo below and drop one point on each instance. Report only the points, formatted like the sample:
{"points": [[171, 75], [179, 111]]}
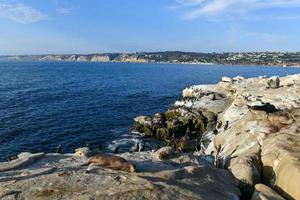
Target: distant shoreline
{"points": [[280, 59], [165, 63]]}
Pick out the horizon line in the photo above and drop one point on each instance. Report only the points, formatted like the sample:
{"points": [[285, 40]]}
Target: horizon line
{"points": [[137, 52]]}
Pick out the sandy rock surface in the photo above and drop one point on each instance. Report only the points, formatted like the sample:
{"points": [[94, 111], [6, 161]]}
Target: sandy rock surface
{"points": [[58, 176]]}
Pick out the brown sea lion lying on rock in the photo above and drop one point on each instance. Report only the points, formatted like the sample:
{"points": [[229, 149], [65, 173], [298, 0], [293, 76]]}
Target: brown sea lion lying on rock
{"points": [[111, 162]]}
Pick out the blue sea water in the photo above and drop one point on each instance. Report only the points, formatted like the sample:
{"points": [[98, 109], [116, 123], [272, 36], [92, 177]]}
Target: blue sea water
{"points": [[46, 104]]}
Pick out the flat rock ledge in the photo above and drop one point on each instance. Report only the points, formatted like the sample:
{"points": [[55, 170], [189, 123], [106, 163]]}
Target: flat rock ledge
{"points": [[250, 126], [61, 176]]}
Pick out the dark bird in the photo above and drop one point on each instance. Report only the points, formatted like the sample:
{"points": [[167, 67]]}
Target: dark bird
{"points": [[58, 149], [226, 125], [215, 132], [219, 124]]}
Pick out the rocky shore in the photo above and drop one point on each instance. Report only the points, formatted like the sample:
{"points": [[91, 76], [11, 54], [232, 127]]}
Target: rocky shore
{"points": [[238, 139]]}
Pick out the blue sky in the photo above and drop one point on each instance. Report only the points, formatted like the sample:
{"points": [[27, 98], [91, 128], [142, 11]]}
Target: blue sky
{"points": [[90, 26]]}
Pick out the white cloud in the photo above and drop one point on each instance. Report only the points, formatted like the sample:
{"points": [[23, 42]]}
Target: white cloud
{"points": [[20, 13], [64, 10], [189, 2], [232, 9]]}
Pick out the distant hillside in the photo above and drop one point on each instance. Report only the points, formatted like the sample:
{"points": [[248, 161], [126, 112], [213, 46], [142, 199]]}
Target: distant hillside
{"points": [[231, 58]]}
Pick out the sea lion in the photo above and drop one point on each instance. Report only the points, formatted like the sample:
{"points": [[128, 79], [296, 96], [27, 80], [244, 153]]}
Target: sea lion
{"points": [[111, 162]]}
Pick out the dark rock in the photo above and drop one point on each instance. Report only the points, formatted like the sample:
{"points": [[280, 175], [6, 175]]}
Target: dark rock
{"points": [[175, 126], [267, 107], [148, 132], [116, 150], [186, 144]]}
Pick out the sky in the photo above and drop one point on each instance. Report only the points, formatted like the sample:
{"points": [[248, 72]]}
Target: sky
{"points": [[99, 26]]}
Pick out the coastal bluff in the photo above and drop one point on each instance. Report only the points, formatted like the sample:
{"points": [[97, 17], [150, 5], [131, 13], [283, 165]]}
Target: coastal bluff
{"points": [[251, 127], [238, 139]]}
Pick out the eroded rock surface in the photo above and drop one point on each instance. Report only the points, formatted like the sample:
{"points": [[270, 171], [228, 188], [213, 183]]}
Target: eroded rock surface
{"points": [[242, 135], [57, 176], [251, 127]]}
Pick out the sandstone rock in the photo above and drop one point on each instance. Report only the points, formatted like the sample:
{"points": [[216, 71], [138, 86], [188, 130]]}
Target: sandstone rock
{"points": [[274, 82], [263, 192], [280, 157], [82, 59], [212, 97], [247, 170], [238, 78], [187, 93], [189, 178], [23, 160], [261, 138], [226, 79], [98, 58]]}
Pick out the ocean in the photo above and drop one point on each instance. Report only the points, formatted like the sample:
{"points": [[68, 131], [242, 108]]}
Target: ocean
{"points": [[73, 104]]}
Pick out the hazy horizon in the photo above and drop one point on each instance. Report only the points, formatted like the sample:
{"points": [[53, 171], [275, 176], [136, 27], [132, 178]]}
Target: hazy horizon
{"points": [[32, 27], [95, 53]]}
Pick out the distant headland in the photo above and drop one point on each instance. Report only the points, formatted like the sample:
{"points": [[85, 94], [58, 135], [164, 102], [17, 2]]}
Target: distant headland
{"points": [[284, 59]]}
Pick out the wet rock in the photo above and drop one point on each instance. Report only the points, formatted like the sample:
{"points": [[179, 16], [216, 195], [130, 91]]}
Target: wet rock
{"points": [[147, 131], [274, 82], [162, 133]]}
